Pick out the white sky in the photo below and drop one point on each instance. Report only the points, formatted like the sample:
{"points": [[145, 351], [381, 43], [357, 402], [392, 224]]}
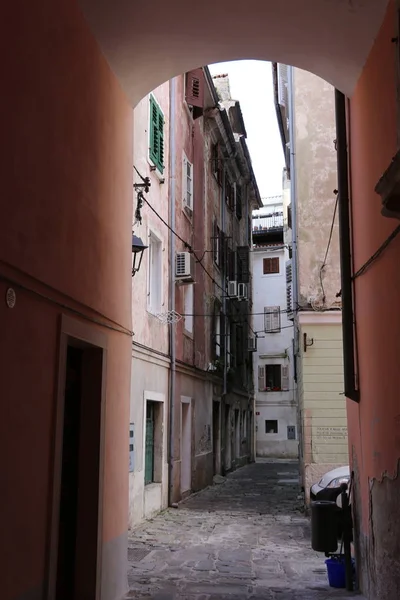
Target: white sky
{"points": [[251, 85]]}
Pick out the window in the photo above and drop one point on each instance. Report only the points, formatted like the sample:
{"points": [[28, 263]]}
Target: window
{"points": [[272, 319], [153, 456], [188, 323], [216, 164], [243, 264], [217, 245], [291, 432], [187, 183], [238, 206], [156, 150], [271, 426], [229, 194], [154, 273], [217, 335], [270, 265], [273, 378]]}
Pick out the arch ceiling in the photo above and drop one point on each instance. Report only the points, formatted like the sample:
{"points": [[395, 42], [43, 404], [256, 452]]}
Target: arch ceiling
{"points": [[147, 42]]}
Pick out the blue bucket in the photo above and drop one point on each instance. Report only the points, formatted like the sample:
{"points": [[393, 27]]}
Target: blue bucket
{"points": [[336, 572]]}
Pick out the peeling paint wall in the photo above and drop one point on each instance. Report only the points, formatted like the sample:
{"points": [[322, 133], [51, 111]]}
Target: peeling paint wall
{"points": [[316, 181]]}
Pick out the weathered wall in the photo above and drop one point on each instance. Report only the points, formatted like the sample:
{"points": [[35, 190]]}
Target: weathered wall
{"points": [[316, 180], [322, 404], [270, 290], [66, 204], [374, 422], [150, 361]]}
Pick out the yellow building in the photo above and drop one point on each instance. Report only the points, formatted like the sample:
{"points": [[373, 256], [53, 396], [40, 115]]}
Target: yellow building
{"points": [[321, 402]]}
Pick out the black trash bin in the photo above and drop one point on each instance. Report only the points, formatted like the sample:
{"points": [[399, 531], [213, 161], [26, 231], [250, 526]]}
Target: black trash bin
{"points": [[324, 526]]}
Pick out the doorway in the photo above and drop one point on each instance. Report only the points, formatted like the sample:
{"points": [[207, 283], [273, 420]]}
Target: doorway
{"points": [[75, 539], [228, 440], [216, 438], [237, 435], [186, 446]]}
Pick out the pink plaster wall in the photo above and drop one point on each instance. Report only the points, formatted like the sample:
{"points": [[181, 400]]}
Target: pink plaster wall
{"points": [[373, 424], [65, 220]]}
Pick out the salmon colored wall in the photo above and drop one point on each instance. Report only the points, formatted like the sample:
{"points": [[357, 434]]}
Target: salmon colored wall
{"points": [[372, 424], [65, 219]]}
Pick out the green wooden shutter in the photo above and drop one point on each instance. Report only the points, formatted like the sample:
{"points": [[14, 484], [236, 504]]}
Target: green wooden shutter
{"points": [[156, 135], [149, 446]]}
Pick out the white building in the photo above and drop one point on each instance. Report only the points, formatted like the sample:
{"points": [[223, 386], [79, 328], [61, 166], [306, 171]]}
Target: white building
{"points": [[276, 414]]}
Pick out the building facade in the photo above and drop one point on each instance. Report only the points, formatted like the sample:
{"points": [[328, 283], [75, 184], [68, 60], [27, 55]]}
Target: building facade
{"points": [[192, 409], [65, 248], [306, 112], [276, 413]]}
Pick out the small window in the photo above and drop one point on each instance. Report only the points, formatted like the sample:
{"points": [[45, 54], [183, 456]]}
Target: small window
{"points": [[291, 432], [216, 164], [272, 319], [229, 193], [273, 378], [271, 426], [238, 202], [154, 294], [187, 183], [188, 323], [270, 266], [217, 245], [156, 150]]}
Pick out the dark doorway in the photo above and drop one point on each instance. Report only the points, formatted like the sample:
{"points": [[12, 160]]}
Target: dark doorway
{"points": [[216, 438], [78, 521]]}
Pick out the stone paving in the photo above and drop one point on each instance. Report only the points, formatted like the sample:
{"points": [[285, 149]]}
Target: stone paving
{"points": [[244, 539]]}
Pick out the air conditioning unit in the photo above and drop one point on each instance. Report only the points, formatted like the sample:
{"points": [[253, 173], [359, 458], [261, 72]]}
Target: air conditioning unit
{"points": [[242, 291], [252, 344], [184, 267], [232, 289]]}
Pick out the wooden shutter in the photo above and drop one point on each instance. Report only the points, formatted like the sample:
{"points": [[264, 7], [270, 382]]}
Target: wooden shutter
{"points": [[195, 88], [156, 150], [285, 377], [243, 255], [272, 319], [261, 378], [187, 183]]}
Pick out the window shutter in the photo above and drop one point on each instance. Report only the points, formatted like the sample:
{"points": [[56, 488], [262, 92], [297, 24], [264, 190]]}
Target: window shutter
{"points": [[243, 261], [187, 183], [267, 319], [285, 377], [195, 88], [261, 379], [156, 151]]}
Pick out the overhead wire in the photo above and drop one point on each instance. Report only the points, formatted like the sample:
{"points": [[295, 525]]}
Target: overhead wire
{"points": [[327, 248], [190, 249]]}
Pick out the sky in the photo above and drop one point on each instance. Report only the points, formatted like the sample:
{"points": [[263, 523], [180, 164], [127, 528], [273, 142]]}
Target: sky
{"points": [[251, 84]]}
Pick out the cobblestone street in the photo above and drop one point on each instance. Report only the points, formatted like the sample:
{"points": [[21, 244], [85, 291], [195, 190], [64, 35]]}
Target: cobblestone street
{"points": [[243, 539]]}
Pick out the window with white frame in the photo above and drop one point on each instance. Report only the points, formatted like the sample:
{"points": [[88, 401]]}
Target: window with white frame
{"points": [[189, 297], [217, 335], [187, 183], [272, 319], [273, 378], [154, 294]]}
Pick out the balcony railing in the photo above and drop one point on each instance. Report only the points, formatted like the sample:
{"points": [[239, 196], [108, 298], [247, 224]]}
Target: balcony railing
{"points": [[267, 222]]}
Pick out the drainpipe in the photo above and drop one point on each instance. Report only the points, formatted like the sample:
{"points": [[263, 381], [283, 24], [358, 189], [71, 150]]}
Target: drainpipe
{"points": [[293, 188], [345, 250], [223, 270], [295, 279], [171, 294]]}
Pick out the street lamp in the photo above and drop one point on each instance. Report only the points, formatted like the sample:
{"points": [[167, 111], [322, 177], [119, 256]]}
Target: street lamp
{"points": [[137, 253]]}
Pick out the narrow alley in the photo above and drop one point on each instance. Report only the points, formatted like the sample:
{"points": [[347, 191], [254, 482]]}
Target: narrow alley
{"points": [[245, 538]]}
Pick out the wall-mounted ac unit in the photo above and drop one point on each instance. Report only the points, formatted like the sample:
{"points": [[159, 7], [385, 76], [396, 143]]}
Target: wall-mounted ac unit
{"points": [[184, 267], [242, 291], [232, 289], [252, 344]]}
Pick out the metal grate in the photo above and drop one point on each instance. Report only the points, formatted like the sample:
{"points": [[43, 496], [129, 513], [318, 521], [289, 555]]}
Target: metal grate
{"points": [[137, 554]]}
